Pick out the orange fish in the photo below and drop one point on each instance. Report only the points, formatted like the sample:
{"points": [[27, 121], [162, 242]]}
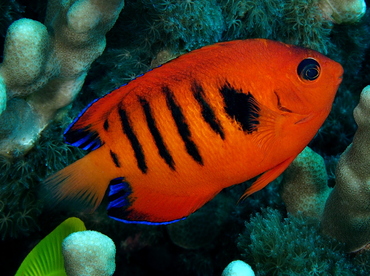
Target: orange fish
{"points": [[170, 140]]}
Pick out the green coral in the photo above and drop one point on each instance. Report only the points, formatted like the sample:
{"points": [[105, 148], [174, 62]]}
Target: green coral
{"points": [[190, 23], [291, 246], [297, 22]]}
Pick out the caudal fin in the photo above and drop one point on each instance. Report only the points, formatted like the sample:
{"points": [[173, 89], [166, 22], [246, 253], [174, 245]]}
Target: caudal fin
{"points": [[82, 184]]}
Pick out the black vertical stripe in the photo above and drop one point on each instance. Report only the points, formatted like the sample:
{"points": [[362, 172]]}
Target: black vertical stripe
{"points": [[135, 144], [115, 159], [162, 149], [106, 125], [207, 112], [182, 126], [241, 107]]}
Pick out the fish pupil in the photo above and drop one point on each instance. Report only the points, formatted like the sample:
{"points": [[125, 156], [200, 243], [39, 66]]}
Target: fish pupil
{"points": [[308, 69]]}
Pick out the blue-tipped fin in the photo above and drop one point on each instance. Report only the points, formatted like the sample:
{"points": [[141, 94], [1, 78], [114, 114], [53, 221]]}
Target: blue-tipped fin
{"points": [[80, 133], [83, 138], [120, 200]]}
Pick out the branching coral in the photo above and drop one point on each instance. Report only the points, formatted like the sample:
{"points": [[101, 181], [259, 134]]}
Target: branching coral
{"points": [[347, 211], [45, 66]]}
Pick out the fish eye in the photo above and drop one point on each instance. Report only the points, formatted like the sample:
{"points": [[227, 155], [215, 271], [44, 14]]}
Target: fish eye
{"points": [[308, 69]]}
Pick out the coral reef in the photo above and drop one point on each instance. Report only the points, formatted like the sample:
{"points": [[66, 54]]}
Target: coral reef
{"points": [[20, 177], [291, 246], [146, 34], [295, 22], [179, 22], [45, 66], [347, 211]]}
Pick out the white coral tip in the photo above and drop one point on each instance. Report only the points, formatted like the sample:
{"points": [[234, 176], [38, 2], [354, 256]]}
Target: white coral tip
{"points": [[238, 268]]}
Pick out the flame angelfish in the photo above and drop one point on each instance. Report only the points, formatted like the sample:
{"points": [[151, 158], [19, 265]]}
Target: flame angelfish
{"points": [[167, 142]]}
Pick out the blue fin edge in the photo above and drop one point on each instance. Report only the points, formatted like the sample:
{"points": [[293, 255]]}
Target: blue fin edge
{"points": [[147, 222], [94, 144], [118, 195]]}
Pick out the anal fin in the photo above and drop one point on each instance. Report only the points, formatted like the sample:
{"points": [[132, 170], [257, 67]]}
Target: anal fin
{"points": [[129, 203]]}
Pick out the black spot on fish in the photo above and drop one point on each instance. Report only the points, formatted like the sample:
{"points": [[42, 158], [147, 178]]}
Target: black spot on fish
{"points": [[162, 149], [182, 126], [115, 159], [207, 112], [135, 144], [241, 107]]}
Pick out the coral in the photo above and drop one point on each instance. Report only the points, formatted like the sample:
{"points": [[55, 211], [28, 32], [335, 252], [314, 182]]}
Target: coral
{"points": [[347, 211], [138, 37], [304, 186], [18, 209], [45, 66], [362, 263], [343, 11], [46, 257], [191, 23], [19, 178], [6, 222], [238, 268], [291, 246], [298, 22], [89, 253]]}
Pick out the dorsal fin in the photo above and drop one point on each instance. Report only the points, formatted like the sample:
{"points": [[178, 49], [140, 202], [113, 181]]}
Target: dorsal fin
{"points": [[83, 132]]}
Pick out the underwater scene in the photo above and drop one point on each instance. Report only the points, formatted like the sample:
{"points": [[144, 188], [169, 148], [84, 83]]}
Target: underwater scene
{"points": [[184, 137]]}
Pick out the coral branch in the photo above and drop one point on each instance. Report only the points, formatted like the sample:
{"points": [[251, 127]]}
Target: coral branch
{"points": [[347, 211], [45, 66]]}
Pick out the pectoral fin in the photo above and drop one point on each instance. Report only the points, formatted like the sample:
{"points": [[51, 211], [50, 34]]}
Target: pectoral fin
{"points": [[267, 177]]}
